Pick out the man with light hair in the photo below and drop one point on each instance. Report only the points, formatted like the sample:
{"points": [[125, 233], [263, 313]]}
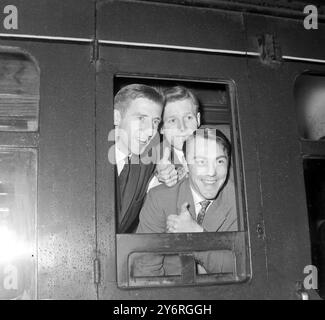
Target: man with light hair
{"points": [[181, 117]]}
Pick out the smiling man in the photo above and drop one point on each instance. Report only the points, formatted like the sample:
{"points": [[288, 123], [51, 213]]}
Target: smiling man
{"points": [[181, 117], [137, 114], [203, 202]]}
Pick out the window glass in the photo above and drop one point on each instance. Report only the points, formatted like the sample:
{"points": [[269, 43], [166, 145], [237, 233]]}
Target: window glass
{"points": [[310, 105], [19, 91], [314, 172], [309, 94], [17, 223], [153, 247]]}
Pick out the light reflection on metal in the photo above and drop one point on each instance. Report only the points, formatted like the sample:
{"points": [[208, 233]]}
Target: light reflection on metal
{"points": [[40, 37], [18, 249], [11, 247]]}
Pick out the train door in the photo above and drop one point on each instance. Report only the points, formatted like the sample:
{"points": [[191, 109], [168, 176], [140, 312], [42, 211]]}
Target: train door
{"points": [[131, 53], [47, 162], [291, 157], [57, 184]]}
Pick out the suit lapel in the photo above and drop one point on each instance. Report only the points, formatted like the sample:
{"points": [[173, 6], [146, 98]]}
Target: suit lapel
{"points": [[117, 192], [131, 188], [215, 215], [185, 195], [136, 185]]}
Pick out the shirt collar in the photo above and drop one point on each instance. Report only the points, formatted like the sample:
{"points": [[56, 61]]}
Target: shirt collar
{"points": [[197, 198], [119, 155]]}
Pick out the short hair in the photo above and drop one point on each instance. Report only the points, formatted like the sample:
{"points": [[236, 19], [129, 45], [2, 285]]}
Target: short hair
{"points": [[178, 93], [211, 134], [134, 91]]}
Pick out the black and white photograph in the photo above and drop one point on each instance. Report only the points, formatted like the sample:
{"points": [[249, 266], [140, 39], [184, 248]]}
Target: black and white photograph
{"points": [[162, 150]]}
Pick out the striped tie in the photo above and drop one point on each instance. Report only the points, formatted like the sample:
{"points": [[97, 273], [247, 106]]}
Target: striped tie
{"points": [[204, 204]]}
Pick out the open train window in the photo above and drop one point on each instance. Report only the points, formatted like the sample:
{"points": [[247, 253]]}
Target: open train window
{"points": [[310, 105], [149, 251], [19, 90]]}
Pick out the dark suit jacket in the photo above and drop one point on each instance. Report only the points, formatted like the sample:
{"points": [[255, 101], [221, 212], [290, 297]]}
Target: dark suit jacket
{"points": [[136, 186], [220, 216]]}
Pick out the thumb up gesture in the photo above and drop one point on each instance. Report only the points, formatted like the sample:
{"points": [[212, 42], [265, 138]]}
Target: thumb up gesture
{"points": [[182, 222], [166, 172]]}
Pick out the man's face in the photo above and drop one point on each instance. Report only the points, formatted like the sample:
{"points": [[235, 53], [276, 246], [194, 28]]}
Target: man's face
{"points": [[180, 121], [138, 125], [207, 163]]}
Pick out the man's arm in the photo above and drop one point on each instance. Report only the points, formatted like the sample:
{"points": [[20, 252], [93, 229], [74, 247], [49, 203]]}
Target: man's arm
{"points": [[213, 261], [152, 220], [220, 261]]}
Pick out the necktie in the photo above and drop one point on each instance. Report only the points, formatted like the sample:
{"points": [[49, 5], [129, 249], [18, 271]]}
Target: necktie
{"points": [[204, 204], [123, 177]]}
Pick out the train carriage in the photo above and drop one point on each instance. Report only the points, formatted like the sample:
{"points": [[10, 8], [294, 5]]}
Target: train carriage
{"points": [[254, 67]]}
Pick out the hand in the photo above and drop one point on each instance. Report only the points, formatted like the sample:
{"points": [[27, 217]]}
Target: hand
{"points": [[183, 222], [166, 172], [181, 173]]}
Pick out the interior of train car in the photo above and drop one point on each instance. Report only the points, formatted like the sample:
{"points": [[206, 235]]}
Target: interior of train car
{"points": [[259, 76]]}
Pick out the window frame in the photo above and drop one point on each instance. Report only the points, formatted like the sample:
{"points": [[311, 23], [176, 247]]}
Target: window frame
{"points": [[124, 274], [14, 50]]}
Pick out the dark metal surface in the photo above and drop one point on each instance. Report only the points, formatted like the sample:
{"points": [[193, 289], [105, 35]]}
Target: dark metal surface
{"points": [[184, 245], [171, 64], [160, 24], [19, 139], [66, 169], [285, 8], [313, 148], [76, 182], [292, 38], [69, 18], [282, 183]]}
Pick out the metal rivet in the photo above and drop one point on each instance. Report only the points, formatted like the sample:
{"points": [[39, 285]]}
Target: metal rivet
{"points": [[260, 230]]}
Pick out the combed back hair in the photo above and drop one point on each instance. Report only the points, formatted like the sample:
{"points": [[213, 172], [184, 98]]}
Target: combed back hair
{"points": [[181, 93], [210, 134], [134, 91]]}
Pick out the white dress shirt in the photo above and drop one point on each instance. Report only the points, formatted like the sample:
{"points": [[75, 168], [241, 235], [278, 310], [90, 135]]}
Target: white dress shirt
{"points": [[120, 159]]}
